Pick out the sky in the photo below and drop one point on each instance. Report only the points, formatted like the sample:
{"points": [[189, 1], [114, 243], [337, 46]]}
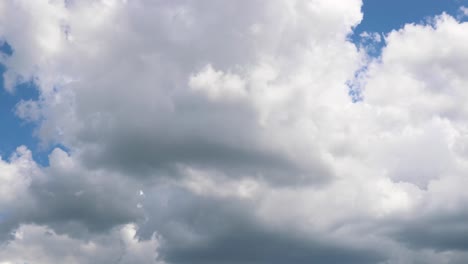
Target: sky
{"points": [[250, 131]]}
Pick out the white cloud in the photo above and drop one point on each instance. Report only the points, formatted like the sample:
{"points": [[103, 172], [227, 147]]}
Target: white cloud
{"points": [[217, 84], [15, 176], [220, 132], [41, 245], [371, 36], [464, 11]]}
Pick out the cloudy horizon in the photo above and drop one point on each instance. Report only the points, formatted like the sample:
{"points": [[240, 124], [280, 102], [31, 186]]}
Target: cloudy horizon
{"points": [[232, 132]]}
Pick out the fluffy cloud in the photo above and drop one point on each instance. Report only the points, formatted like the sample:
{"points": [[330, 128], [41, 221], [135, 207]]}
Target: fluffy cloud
{"points": [[206, 132], [38, 244]]}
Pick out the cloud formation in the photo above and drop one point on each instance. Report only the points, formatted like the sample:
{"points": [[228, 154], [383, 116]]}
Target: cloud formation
{"points": [[224, 132]]}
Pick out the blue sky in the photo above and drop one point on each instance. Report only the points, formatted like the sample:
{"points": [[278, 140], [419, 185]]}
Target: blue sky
{"points": [[14, 132], [384, 16]]}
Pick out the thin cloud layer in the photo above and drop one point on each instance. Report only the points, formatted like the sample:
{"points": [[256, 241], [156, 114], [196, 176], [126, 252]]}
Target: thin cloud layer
{"points": [[216, 132]]}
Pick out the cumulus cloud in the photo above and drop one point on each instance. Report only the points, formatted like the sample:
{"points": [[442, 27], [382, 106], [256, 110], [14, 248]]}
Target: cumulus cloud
{"points": [[209, 132], [39, 244]]}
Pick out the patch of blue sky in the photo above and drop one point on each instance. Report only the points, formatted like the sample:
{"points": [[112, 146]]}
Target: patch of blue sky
{"points": [[5, 48], [385, 16], [15, 132], [382, 17]]}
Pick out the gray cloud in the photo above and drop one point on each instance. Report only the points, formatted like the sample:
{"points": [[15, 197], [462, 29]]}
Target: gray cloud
{"points": [[209, 132], [206, 230], [440, 232]]}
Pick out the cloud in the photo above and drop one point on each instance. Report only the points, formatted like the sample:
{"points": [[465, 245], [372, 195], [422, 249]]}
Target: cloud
{"points": [[39, 244], [16, 176], [206, 132], [64, 196], [463, 11]]}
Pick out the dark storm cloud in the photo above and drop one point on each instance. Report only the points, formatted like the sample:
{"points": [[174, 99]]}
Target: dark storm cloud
{"points": [[437, 231], [216, 230], [74, 200], [93, 200], [200, 133]]}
